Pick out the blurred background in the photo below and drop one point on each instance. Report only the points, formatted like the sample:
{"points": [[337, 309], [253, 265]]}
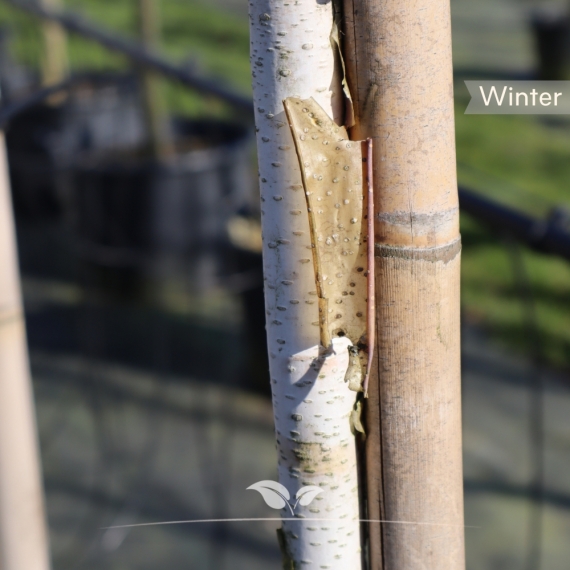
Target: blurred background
{"points": [[136, 204]]}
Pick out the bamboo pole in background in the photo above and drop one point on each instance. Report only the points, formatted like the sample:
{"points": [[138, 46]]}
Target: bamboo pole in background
{"points": [[398, 58], [159, 136], [23, 536], [55, 63]]}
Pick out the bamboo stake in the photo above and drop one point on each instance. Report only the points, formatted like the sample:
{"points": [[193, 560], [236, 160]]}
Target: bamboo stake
{"points": [[55, 63], [155, 109], [398, 59], [291, 56], [23, 537]]}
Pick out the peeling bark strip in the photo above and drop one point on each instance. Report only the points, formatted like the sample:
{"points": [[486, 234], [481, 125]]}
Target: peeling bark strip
{"points": [[341, 220], [291, 56], [332, 172], [398, 63]]}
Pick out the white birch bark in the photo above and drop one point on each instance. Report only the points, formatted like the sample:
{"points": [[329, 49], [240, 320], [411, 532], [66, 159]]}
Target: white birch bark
{"points": [[23, 536], [291, 56]]}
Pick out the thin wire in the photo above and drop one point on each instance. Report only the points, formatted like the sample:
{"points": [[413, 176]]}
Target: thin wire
{"points": [[279, 519]]}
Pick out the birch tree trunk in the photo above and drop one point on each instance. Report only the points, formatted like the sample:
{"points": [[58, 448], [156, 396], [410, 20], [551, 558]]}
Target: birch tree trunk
{"points": [[23, 537], [291, 56], [398, 59]]}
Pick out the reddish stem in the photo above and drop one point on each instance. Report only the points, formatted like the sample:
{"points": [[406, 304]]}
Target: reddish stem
{"points": [[371, 306]]}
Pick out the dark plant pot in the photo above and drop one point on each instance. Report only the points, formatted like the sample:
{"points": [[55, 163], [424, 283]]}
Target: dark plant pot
{"points": [[551, 29], [133, 212], [32, 162], [102, 111]]}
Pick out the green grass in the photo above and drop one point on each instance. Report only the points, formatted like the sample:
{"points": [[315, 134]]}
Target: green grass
{"points": [[491, 294], [516, 160], [211, 41], [524, 163]]}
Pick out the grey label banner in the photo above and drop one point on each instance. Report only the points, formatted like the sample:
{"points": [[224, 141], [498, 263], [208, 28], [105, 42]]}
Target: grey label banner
{"points": [[518, 98]]}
